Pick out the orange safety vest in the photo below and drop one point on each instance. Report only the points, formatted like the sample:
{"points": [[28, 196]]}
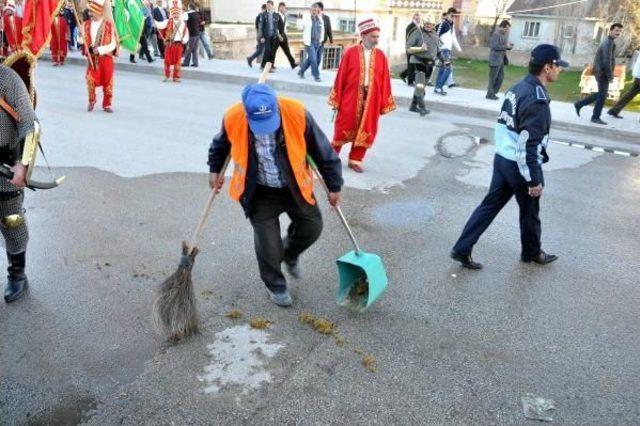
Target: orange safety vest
{"points": [[293, 124]]}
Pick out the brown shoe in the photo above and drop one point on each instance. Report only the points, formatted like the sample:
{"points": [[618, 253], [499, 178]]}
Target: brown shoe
{"points": [[90, 107], [356, 167], [108, 109]]}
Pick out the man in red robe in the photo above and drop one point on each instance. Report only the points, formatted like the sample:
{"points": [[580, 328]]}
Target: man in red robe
{"points": [[12, 24], [59, 31], [360, 94], [175, 34], [100, 43]]}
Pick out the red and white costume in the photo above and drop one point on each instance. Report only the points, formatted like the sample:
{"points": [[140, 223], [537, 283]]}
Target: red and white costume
{"points": [[175, 33], [361, 93], [12, 25], [100, 44], [59, 34]]}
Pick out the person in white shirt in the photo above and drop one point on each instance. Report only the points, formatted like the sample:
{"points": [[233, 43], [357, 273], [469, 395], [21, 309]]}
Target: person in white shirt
{"points": [[312, 36], [631, 93]]}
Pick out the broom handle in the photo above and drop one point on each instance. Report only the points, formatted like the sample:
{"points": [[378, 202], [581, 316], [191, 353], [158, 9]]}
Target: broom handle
{"points": [[337, 208], [207, 208], [212, 195], [81, 30], [265, 73]]}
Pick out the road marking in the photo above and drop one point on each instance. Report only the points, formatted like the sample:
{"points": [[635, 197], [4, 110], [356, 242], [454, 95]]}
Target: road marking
{"points": [[597, 148], [239, 356]]}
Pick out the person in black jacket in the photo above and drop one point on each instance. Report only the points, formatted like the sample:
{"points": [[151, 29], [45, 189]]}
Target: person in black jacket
{"points": [[160, 14], [407, 75], [193, 25], [259, 45], [603, 67], [328, 34], [269, 33], [284, 41]]}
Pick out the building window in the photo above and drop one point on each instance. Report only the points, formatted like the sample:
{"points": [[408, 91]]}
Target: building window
{"points": [[347, 25], [569, 31], [531, 29]]}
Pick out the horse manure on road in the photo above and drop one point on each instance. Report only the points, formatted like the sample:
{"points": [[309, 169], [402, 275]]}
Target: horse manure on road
{"points": [[320, 325], [358, 294], [369, 363], [260, 323], [234, 314]]}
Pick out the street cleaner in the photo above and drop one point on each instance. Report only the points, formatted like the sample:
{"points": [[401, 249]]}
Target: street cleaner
{"points": [[521, 136], [269, 138]]}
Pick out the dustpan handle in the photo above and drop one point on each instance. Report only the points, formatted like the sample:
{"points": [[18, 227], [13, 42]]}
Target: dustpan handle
{"points": [[337, 208], [207, 208]]}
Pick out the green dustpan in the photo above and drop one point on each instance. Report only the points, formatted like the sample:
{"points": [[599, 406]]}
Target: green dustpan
{"points": [[362, 275]]}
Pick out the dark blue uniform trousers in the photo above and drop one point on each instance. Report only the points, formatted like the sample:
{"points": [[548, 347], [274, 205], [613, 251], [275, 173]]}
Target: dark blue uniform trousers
{"points": [[506, 182]]}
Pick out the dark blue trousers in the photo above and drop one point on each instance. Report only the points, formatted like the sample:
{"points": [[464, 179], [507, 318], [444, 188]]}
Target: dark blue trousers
{"points": [[505, 183]]}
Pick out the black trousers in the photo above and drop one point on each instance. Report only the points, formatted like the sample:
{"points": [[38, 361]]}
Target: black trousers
{"points": [[305, 228], [144, 49], [505, 183], [599, 97], [284, 45], [270, 47], [496, 77], [160, 44], [627, 97]]}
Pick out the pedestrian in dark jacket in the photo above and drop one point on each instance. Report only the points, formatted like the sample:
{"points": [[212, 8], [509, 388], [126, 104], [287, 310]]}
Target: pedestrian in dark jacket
{"points": [[328, 33], [415, 24], [193, 24], [259, 45], [160, 14], [603, 67], [269, 33], [499, 45]]}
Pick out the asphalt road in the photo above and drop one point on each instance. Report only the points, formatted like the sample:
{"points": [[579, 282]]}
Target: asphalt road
{"points": [[449, 346]]}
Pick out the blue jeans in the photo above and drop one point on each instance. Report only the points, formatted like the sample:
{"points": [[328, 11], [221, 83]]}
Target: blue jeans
{"points": [[320, 52], [204, 40], [445, 69], [599, 98], [311, 60], [258, 52]]}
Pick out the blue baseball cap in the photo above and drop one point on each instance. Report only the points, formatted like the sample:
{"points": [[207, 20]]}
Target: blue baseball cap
{"points": [[261, 106], [547, 54]]}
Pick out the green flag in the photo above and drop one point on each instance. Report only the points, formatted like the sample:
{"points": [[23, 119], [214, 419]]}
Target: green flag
{"points": [[129, 21]]}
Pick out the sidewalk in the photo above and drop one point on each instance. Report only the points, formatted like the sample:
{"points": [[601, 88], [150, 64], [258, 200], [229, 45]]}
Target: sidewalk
{"points": [[459, 101]]}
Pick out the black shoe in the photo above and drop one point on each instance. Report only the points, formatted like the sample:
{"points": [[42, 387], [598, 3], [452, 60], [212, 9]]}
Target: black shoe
{"points": [[404, 78], [249, 61], [614, 114], [577, 108], [423, 111], [294, 66], [293, 268], [466, 261], [453, 85], [414, 108], [17, 282], [133, 61], [492, 97], [542, 258], [185, 65], [598, 121]]}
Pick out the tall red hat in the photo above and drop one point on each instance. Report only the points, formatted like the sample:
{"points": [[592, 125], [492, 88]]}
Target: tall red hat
{"points": [[367, 26]]}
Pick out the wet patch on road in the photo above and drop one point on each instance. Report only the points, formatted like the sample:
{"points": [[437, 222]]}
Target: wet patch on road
{"points": [[240, 355], [403, 213], [71, 411]]}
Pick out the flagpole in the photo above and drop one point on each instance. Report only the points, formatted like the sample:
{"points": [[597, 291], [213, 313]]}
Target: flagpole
{"points": [[81, 29]]}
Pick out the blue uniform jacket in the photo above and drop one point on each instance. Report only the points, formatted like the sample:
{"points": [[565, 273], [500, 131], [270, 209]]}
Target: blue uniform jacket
{"points": [[522, 131]]}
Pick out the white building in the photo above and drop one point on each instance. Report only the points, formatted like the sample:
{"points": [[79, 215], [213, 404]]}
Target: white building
{"points": [[392, 15]]}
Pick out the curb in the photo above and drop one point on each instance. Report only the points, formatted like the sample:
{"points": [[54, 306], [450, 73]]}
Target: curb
{"points": [[405, 101]]}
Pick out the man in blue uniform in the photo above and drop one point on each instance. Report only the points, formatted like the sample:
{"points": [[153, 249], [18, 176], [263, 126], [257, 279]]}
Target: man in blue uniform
{"points": [[521, 136]]}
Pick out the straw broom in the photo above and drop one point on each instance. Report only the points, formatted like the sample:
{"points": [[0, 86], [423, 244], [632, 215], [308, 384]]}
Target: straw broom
{"points": [[174, 310]]}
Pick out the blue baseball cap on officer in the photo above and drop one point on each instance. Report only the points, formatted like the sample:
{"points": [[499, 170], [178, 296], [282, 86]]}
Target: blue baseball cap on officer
{"points": [[547, 54], [261, 106]]}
